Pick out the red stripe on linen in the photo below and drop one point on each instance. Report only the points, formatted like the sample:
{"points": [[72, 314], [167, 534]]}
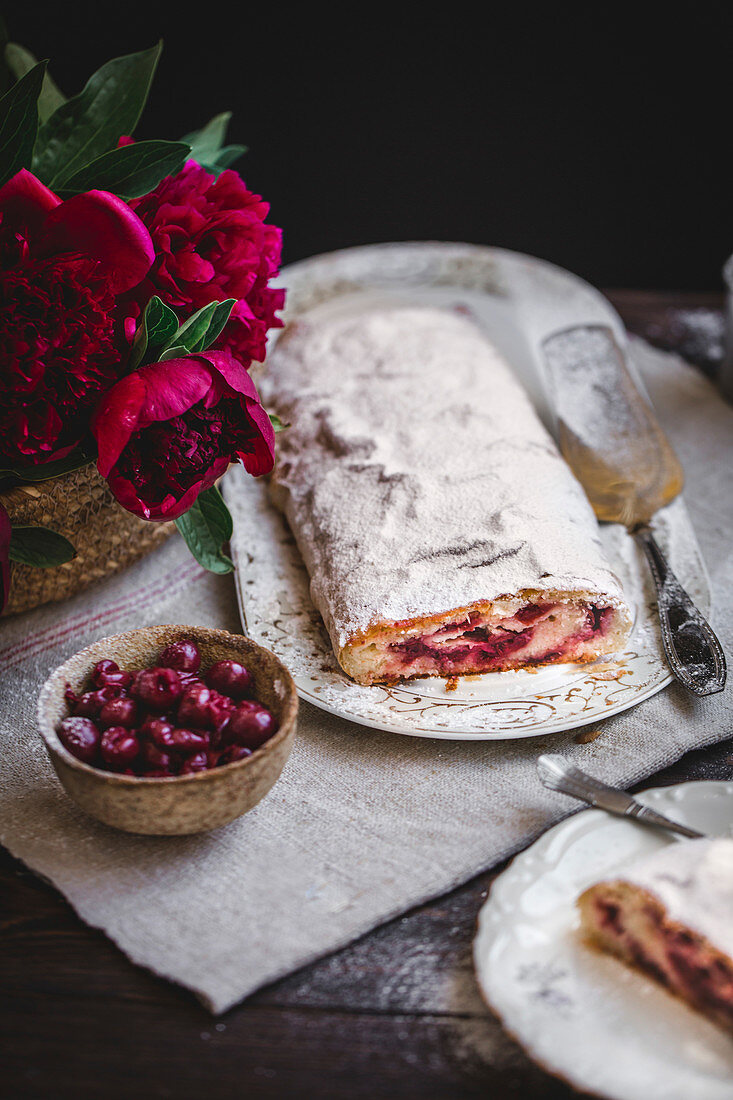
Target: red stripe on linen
{"points": [[46, 639]]}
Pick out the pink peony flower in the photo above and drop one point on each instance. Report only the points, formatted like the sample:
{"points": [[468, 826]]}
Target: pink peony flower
{"points": [[62, 266], [167, 431], [211, 243]]}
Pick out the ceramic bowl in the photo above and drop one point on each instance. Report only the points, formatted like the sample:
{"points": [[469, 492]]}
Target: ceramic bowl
{"points": [[175, 805]]}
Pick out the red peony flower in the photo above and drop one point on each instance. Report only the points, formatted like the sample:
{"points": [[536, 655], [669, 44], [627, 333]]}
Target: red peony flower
{"points": [[211, 243], [4, 557], [167, 431], [62, 266]]}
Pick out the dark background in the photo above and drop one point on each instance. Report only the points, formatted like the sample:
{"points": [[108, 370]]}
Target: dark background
{"points": [[598, 140]]}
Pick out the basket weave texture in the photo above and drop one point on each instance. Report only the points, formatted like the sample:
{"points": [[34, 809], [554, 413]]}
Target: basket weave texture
{"points": [[80, 506]]}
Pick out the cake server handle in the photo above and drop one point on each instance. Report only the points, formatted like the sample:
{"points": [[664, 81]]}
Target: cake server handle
{"points": [[557, 774], [693, 651]]}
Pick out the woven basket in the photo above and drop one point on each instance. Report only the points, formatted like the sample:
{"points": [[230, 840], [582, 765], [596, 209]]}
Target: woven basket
{"points": [[80, 506]]}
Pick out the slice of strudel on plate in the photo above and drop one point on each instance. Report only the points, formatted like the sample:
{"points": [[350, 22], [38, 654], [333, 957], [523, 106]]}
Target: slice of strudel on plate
{"points": [[442, 530], [670, 915]]}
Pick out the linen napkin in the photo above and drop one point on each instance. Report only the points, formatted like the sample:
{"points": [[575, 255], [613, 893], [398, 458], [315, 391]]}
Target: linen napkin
{"points": [[362, 825]]}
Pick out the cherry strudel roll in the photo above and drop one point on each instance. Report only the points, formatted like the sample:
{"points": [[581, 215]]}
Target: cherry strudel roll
{"points": [[442, 531]]}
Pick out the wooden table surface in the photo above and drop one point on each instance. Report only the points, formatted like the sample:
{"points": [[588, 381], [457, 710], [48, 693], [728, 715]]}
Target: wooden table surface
{"points": [[396, 1014]]}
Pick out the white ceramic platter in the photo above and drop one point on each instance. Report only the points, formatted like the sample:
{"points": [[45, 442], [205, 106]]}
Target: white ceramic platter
{"points": [[582, 1015], [518, 300]]}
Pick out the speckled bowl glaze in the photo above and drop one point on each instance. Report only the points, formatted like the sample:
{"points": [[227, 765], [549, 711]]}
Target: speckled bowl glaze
{"points": [[175, 805]]}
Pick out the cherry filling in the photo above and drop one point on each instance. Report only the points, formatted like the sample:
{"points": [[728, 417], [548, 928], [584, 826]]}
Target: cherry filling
{"points": [[532, 612], [470, 645], [680, 960], [483, 647], [609, 917], [707, 980], [601, 619]]}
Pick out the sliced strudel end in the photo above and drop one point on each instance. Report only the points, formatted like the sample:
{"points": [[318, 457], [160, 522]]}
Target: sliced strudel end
{"points": [[442, 531], [671, 916], [530, 629]]}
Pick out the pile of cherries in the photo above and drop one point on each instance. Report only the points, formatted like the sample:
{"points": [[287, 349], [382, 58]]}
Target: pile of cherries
{"points": [[166, 720]]}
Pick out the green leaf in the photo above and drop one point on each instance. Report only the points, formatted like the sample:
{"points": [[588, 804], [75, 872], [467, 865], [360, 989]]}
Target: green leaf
{"points": [[20, 61], [219, 318], [19, 123], [277, 424], [40, 547], [196, 334], [158, 324], [91, 123], [178, 351], [193, 330], [201, 328], [206, 142], [129, 171], [162, 321], [207, 145], [225, 157], [6, 77], [48, 470], [205, 526]]}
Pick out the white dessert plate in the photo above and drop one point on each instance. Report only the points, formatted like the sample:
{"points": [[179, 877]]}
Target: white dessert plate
{"points": [[517, 300], [582, 1015]]}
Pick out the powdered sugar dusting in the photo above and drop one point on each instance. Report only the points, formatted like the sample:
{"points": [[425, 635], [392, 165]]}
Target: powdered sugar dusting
{"points": [[694, 881], [417, 476]]}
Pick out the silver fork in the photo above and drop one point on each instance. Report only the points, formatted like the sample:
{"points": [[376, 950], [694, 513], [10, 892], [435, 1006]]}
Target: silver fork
{"points": [[557, 774]]}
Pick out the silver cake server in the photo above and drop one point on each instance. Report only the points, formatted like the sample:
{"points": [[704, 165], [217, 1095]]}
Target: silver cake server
{"points": [[615, 446], [557, 774]]}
